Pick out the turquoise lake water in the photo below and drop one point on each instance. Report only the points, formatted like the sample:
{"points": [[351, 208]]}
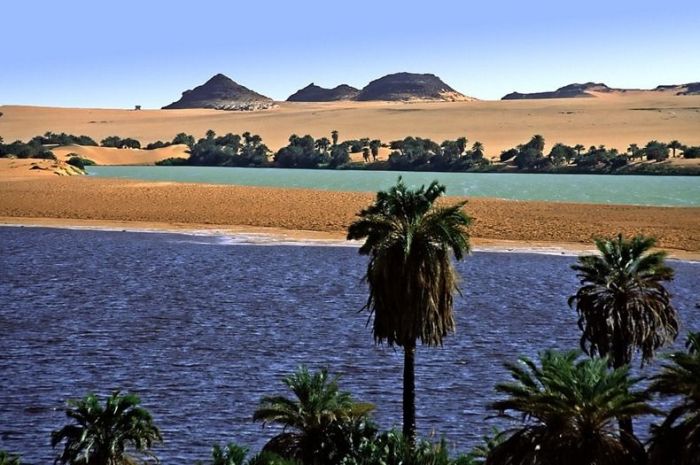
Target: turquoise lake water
{"points": [[604, 189]]}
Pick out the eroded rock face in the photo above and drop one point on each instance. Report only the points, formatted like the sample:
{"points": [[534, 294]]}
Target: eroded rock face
{"points": [[568, 91], [222, 93], [691, 88], [314, 93], [410, 86]]}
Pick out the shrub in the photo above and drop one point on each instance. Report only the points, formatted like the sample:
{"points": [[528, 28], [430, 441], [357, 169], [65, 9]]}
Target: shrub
{"points": [[80, 162], [691, 152], [173, 161], [656, 151], [157, 145]]}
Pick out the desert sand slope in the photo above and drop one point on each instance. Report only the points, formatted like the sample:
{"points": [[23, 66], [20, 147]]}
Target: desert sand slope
{"points": [[19, 169], [112, 156], [616, 121]]}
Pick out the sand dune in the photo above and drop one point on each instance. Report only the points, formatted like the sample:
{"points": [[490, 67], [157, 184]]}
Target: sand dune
{"points": [[613, 120], [112, 156], [14, 169]]}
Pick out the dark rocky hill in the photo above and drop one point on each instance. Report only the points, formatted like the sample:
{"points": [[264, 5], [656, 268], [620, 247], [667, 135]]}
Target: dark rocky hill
{"points": [[409, 86], [221, 93], [570, 91], [692, 88], [314, 93]]}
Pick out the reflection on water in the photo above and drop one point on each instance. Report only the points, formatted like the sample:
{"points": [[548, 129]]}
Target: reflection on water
{"points": [[202, 329]]}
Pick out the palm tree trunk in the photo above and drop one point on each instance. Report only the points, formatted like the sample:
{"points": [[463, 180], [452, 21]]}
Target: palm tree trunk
{"points": [[409, 394], [625, 423]]}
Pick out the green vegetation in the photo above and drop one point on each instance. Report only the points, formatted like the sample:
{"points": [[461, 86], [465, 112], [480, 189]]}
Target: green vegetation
{"points": [[119, 143], [79, 162], [100, 435], [51, 138], [410, 274], [5, 457], [565, 411], [623, 306], [408, 154], [677, 440], [32, 149], [321, 424]]}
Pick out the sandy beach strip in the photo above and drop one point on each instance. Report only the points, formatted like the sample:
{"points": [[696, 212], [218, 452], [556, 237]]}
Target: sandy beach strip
{"points": [[309, 214]]}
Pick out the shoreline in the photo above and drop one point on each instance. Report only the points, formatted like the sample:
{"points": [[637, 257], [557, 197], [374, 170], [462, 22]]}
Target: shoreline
{"points": [[268, 236]]}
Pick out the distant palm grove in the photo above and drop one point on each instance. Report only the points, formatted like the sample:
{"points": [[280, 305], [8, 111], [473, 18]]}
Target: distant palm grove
{"points": [[574, 407], [408, 154]]}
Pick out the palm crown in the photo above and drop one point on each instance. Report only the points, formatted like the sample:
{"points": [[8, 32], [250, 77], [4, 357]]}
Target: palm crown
{"points": [[623, 305], [410, 274], [319, 406], [568, 408], [100, 435]]}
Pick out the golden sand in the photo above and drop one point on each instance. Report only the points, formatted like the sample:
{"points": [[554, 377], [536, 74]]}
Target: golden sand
{"points": [[102, 202]]}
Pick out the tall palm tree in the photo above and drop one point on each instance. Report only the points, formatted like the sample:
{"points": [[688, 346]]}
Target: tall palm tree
{"points": [[334, 137], [623, 306], [677, 440], [566, 410], [410, 274], [100, 435], [319, 407]]}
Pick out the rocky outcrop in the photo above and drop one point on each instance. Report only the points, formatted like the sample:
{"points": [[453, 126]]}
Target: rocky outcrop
{"points": [[410, 87], [569, 91], [692, 88], [314, 93], [222, 93]]}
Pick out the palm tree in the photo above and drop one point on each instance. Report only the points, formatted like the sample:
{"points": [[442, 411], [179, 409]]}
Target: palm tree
{"points": [[100, 435], [677, 440], [674, 145], [319, 407], [633, 150], [578, 148], [566, 410], [322, 144], [622, 304], [334, 137], [410, 274], [477, 150]]}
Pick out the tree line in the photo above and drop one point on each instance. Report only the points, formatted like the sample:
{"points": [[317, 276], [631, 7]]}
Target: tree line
{"points": [[408, 154], [569, 407]]}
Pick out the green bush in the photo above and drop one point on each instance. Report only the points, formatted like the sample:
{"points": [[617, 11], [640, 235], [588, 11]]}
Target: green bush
{"points": [[80, 162], [691, 152], [173, 161]]}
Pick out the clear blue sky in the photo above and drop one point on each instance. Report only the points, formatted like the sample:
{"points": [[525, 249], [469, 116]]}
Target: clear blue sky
{"points": [[121, 53]]}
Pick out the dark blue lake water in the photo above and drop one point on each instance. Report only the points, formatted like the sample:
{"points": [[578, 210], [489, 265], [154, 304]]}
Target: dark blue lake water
{"points": [[201, 329]]}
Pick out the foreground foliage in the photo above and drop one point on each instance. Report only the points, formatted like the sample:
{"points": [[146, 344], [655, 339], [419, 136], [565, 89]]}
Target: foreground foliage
{"points": [[100, 435], [677, 440], [567, 409], [323, 420]]}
